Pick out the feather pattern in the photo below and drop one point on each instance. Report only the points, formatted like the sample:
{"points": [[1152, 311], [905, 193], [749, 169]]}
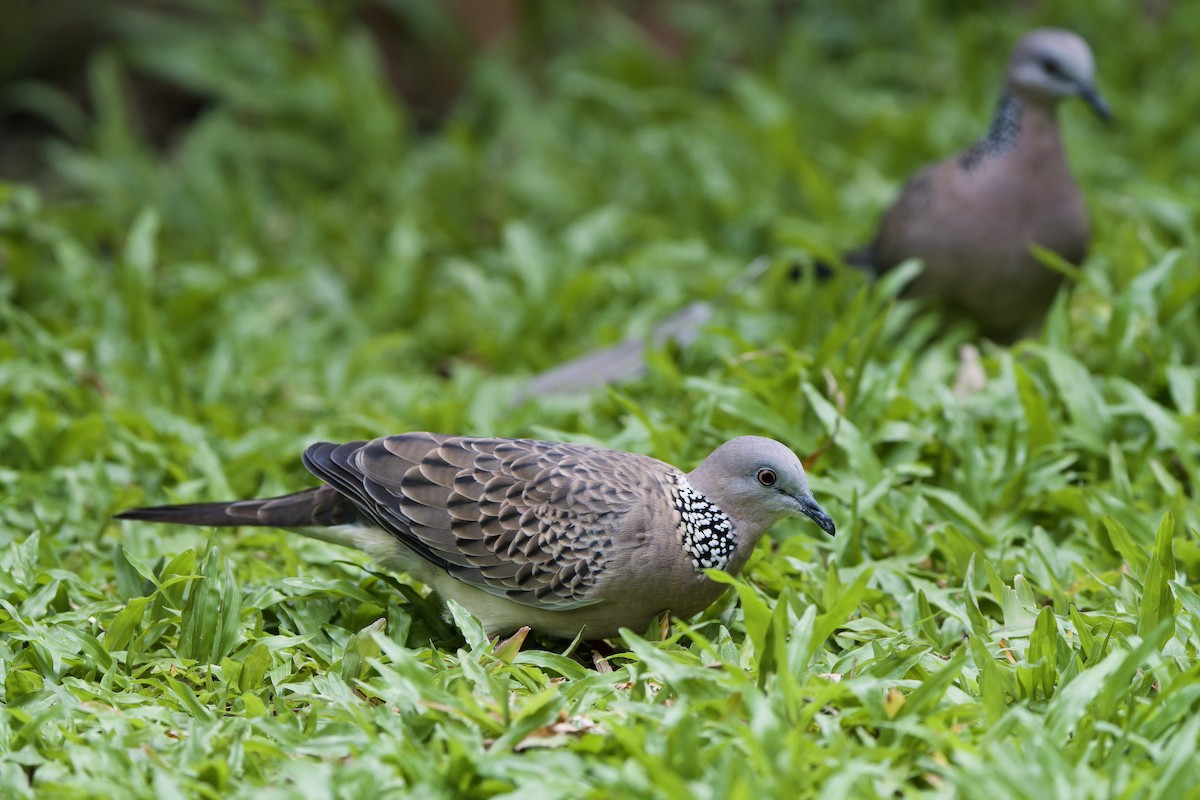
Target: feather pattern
{"points": [[494, 513]]}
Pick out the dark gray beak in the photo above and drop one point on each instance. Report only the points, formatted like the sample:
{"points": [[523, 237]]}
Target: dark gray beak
{"points": [[810, 509], [1093, 99]]}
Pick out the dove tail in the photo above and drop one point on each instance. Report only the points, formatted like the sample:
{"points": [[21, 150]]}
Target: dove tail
{"points": [[862, 258], [320, 507]]}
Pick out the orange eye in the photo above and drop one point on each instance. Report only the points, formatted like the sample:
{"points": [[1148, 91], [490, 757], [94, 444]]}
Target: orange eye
{"points": [[767, 477]]}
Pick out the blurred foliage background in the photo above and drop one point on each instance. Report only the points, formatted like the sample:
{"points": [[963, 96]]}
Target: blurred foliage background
{"points": [[228, 229]]}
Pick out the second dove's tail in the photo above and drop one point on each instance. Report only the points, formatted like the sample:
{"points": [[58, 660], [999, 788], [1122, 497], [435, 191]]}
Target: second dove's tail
{"points": [[862, 258]]}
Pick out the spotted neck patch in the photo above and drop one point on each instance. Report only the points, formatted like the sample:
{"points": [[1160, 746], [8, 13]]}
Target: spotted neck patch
{"points": [[705, 532], [1001, 136]]}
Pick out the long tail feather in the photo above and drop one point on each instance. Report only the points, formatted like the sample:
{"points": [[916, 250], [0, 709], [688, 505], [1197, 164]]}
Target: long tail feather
{"points": [[862, 258], [318, 507]]}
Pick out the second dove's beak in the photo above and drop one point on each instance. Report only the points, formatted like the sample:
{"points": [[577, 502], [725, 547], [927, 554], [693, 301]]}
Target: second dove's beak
{"points": [[810, 509], [1093, 99]]}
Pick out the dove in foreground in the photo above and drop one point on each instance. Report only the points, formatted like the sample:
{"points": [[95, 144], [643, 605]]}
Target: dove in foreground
{"points": [[560, 537]]}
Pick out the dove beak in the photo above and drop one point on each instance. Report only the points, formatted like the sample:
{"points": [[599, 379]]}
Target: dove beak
{"points": [[1093, 99], [810, 509]]}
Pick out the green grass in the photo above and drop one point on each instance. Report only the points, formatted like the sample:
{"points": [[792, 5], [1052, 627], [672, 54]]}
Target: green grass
{"points": [[1009, 608]]}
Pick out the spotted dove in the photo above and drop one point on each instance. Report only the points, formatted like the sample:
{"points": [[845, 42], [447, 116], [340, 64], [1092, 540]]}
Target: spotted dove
{"points": [[559, 537], [973, 217]]}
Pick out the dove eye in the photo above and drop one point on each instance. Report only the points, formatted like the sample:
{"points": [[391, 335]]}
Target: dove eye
{"points": [[1051, 67], [767, 477]]}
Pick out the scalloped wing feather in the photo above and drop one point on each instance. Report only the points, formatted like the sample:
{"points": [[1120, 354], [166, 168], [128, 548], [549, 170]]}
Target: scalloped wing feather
{"points": [[529, 520]]}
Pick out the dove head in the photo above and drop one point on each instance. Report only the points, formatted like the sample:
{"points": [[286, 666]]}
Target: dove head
{"points": [[1050, 64], [757, 482]]}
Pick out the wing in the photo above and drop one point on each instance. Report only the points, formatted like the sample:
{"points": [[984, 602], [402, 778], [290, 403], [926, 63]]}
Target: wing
{"points": [[528, 520]]}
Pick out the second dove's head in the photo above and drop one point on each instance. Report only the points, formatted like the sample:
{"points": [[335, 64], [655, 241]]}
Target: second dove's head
{"points": [[1050, 64]]}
